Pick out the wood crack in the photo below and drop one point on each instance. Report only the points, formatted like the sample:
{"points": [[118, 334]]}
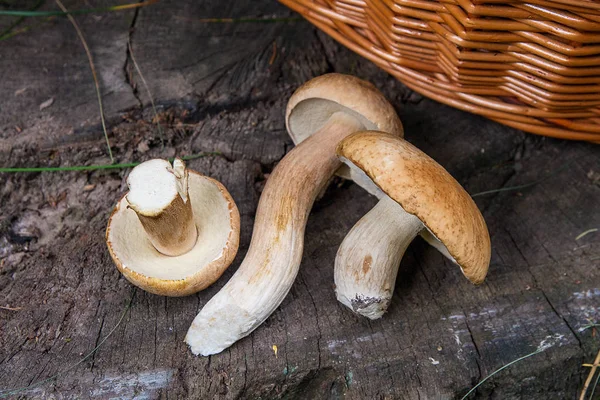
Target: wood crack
{"points": [[245, 377], [471, 335], [541, 289], [319, 333], [328, 61], [36, 377], [155, 334], [285, 346], [504, 183], [19, 349], [126, 66], [547, 299], [477, 360], [96, 343], [245, 104]]}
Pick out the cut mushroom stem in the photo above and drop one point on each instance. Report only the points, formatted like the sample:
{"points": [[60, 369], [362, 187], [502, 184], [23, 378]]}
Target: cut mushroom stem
{"points": [[159, 196], [368, 259], [417, 196], [273, 259]]}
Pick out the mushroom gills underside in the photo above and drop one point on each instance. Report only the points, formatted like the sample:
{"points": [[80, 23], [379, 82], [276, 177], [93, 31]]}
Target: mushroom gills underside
{"points": [[312, 114], [363, 180], [212, 217]]}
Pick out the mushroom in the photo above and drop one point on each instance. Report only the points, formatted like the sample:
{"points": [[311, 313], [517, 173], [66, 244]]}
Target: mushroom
{"points": [[319, 115], [175, 232], [417, 196]]}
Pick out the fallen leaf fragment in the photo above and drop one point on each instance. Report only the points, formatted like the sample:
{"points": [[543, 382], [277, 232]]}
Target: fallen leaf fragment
{"points": [[47, 103]]}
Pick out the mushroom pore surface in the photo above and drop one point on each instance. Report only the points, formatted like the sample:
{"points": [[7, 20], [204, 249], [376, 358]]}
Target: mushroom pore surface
{"points": [[314, 102], [212, 217], [312, 114]]}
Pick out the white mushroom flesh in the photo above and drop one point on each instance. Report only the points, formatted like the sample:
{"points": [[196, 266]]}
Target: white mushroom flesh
{"points": [[266, 274], [433, 241], [154, 184], [158, 193], [361, 179]]}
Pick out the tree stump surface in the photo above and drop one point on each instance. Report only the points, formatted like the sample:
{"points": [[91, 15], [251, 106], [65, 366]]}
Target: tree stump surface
{"points": [[222, 87]]}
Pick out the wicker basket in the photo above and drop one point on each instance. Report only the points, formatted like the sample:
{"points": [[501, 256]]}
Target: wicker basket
{"points": [[533, 65]]}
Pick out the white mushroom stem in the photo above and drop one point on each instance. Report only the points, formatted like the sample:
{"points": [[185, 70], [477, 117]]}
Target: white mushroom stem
{"points": [[368, 259], [448, 219], [266, 275], [158, 193]]}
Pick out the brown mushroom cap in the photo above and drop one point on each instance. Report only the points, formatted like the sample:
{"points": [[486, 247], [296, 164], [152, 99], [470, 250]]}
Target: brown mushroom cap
{"points": [[425, 189], [218, 223], [318, 99]]}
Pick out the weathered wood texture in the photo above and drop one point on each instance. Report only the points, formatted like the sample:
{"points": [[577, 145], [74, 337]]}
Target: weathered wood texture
{"points": [[223, 87]]}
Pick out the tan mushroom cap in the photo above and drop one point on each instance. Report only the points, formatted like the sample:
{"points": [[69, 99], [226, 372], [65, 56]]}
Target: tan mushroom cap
{"points": [[218, 222], [318, 99], [426, 190]]}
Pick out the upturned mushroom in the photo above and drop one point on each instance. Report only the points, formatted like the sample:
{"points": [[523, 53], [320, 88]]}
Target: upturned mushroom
{"points": [[175, 232], [319, 114], [417, 196]]}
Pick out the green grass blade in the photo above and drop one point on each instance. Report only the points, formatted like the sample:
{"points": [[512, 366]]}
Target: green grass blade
{"points": [[99, 167], [63, 13], [548, 342], [8, 31], [583, 328], [499, 370]]}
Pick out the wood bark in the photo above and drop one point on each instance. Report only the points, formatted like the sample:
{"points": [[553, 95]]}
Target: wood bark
{"points": [[223, 87]]}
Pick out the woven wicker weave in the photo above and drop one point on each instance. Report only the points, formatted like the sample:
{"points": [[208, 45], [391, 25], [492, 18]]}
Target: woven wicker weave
{"points": [[532, 65]]}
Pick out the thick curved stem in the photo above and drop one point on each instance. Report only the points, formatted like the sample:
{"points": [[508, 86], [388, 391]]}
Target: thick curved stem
{"points": [[368, 259], [273, 259]]}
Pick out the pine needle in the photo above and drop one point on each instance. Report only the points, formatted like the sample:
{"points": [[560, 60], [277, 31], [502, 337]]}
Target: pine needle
{"points": [[94, 75], [8, 32], [29, 13], [101, 166], [582, 234], [498, 370], [10, 392], [10, 308], [137, 68], [594, 387], [585, 327], [586, 385]]}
